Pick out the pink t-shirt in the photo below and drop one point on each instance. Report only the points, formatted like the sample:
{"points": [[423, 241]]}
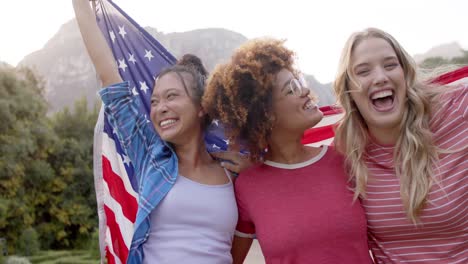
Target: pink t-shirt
{"points": [[442, 236], [302, 213]]}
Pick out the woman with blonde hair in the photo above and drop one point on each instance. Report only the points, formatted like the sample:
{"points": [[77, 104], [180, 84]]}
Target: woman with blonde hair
{"points": [[405, 141], [297, 201]]}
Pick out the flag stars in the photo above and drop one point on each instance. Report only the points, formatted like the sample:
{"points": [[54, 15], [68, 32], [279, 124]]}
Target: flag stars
{"points": [[126, 160], [148, 54], [226, 141], [215, 147], [134, 91], [122, 65], [143, 86], [215, 121], [112, 36], [122, 31], [131, 58]]}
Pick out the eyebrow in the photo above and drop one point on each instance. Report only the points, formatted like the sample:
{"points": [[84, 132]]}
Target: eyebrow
{"points": [[391, 58], [165, 92], [366, 63], [360, 65]]}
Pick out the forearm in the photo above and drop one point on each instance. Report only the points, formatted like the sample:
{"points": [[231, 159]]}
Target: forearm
{"points": [[240, 248], [134, 132], [95, 43]]}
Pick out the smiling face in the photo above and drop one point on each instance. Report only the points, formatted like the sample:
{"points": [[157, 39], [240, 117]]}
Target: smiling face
{"points": [[378, 86], [174, 114], [293, 108]]}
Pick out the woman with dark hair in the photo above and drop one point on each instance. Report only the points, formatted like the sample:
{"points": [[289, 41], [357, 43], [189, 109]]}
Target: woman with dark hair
{"points": [[405, 139], [186, 217], [297, 201]]}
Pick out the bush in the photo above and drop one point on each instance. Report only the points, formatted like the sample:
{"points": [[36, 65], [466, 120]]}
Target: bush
{"points": [[94, 249], [28, 243]]}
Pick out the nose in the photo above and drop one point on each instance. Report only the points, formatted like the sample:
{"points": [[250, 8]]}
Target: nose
{"points": [[161, 107], [305, 92], [380, 77]]}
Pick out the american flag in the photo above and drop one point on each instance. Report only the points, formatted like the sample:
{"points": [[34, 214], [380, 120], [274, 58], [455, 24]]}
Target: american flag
{"points": [[140, 58]]}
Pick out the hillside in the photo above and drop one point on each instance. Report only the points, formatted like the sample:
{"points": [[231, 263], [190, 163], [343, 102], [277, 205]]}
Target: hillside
{"points": [[68, 74]]}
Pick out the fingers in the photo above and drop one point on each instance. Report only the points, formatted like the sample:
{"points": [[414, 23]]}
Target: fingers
{"points": [[233, 161], [226, 155], [230, 166]]}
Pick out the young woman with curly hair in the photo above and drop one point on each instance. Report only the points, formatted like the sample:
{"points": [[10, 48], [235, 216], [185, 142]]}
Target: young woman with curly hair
{"points": [[405, 141], [296, 201]]}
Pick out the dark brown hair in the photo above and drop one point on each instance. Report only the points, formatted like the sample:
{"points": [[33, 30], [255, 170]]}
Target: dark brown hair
{"points": [[192, 65]]}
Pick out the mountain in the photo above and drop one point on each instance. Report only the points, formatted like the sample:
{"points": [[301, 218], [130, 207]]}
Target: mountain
{"points": [[69, 75], [324, 92], [65, 68], [213, 45], [4, 65], [446, 51]]}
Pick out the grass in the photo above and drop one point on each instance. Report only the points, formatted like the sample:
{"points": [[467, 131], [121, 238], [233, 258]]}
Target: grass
{"points": [[64, 257]]}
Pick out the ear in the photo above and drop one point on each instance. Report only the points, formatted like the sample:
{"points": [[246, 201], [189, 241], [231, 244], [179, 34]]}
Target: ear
{"points": [[201, 112]]}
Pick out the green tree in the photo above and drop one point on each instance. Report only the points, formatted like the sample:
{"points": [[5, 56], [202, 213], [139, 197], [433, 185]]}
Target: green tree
{"points": [[46, 179], [434, 62], [462, 60], [73, 205], [28, 243], [25, 138]]}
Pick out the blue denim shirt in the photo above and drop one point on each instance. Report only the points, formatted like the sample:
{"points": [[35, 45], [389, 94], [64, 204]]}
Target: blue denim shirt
{"points": [[154, 161]]}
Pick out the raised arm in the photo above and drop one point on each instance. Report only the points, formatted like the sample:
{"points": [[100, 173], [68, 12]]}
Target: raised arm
{"points": [[123, 110], [95, 43]]}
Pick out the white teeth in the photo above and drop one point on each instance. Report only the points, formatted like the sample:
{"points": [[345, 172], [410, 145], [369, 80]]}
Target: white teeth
{"points": [[309, 105], [167, 122], [382, 94]]}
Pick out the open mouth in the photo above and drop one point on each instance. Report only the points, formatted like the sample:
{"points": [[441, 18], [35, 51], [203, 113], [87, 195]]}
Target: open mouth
{"points": [[168, 123], [309, 105], [383, 100]]}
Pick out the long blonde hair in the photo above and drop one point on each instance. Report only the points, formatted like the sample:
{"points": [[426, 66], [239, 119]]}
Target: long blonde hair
{"points": [[415, 153]]}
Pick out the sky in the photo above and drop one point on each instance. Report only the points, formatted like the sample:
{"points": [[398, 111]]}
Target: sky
{"points": [[315, 29]]}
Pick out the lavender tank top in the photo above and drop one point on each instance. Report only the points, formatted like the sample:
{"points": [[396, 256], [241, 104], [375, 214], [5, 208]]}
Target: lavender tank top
{"points": [[194, 223]]}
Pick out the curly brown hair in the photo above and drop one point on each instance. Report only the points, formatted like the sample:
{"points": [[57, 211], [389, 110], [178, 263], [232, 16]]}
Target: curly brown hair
{"points": [[240, 92]]}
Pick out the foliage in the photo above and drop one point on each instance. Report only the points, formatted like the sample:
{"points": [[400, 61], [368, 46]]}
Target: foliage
{"points": [[94, 245], [25, 139], [434, 62], [28, 243], [73, 211], [46, 179]]}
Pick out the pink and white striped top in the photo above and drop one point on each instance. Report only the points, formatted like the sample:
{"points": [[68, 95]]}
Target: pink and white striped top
{"points": [[442, 235]]}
